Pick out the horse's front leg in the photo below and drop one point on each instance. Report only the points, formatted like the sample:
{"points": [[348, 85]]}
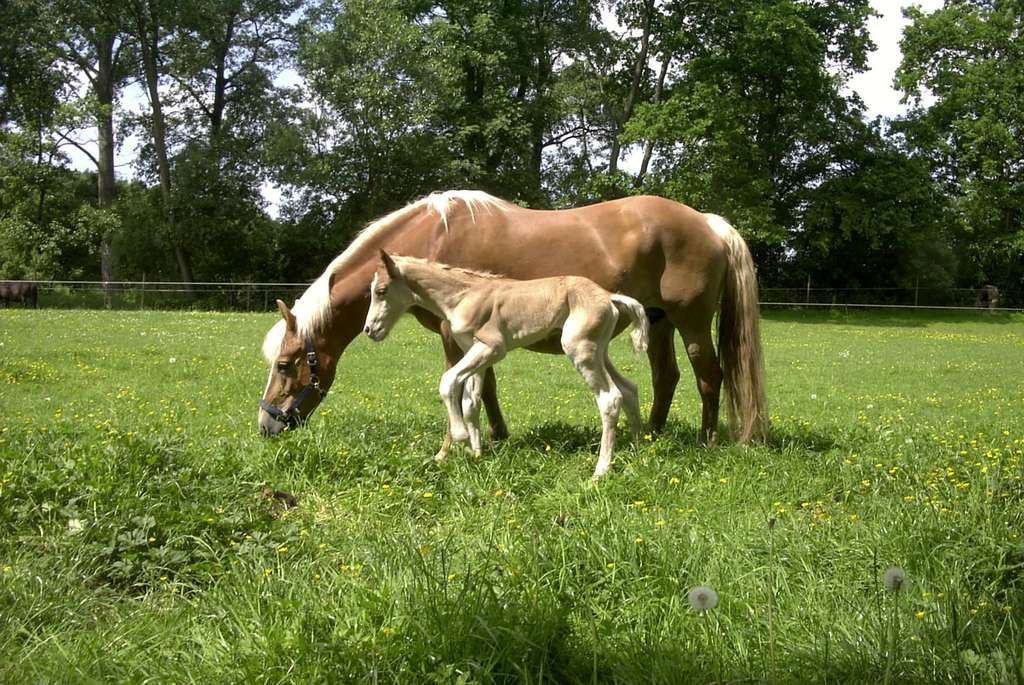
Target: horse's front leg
{"points": [[495, 419]]}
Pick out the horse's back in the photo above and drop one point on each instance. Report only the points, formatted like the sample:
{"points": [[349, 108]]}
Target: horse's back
{"points": [[628, 245]]}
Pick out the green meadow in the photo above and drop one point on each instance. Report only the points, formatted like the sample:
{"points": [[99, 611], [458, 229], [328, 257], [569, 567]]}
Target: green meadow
{"points": [[146, 533]]}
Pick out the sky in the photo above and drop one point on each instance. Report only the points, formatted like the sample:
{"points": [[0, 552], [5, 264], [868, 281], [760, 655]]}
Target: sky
{"points": [[875, 86]]}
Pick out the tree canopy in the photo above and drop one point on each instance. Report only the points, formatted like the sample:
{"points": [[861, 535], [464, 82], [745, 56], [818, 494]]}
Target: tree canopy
{"points": [[351, 109]]}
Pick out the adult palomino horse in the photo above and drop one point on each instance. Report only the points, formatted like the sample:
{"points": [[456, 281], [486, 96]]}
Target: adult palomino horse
{"points": [[681, 264], [490, 316]]}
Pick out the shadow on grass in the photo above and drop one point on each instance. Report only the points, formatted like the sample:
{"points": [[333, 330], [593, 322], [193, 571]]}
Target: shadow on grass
{"points": [[886, 318], [558, 435], [569, 438]]}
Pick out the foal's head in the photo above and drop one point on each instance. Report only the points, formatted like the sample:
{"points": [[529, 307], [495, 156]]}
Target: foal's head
{"points": [[389, 298]]}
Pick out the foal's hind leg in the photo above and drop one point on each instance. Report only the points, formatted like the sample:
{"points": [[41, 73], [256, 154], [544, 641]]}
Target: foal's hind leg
{"points": [[630, 398], [588, 358]]}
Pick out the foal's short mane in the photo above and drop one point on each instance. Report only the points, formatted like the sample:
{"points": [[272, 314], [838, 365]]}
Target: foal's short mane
{"points": [[401, 259], [314, 306]]}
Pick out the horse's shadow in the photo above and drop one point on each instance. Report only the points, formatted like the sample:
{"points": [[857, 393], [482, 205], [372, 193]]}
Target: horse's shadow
{"points": [[568, 437], [556, 435]]}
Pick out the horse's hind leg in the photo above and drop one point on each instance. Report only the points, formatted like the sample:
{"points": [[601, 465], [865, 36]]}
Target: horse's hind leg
{"points": [[661, 352], [630, 398], [708, 372]]}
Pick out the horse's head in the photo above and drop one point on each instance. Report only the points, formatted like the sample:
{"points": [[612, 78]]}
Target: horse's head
{"points": [[389, 298], [296, 384]]}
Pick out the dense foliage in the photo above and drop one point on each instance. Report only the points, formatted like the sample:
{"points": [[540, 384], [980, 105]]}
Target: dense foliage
{"points": [[351, 109]]}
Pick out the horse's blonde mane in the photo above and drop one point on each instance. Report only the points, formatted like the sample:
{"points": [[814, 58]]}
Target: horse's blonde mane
{"points": [[314, 306]]}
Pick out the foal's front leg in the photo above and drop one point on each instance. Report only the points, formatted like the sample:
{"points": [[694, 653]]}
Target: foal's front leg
{"points": [[471, 410], [478, 357]]}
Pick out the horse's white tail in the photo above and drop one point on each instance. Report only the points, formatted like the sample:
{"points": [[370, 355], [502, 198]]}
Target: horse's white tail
{"points": [[739, 338], [635, 311]]}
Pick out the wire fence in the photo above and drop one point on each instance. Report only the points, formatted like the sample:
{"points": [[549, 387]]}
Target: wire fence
{"points": [[213, 296]]}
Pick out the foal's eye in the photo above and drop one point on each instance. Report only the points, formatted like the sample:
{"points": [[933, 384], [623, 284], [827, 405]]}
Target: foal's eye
{"points": [[282, 367], [381, 292]]}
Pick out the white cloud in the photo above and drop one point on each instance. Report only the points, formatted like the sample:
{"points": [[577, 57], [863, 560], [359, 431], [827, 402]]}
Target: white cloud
{"points": [[875, 86]]}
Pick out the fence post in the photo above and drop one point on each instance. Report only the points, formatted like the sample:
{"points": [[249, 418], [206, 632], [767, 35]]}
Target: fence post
{"points": [[917, 284], [807, 300], [142, 296]]}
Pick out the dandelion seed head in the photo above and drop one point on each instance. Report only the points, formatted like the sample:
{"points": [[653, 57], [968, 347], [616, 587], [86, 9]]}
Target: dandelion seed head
{"points": [[703, 598], [894, 579]]}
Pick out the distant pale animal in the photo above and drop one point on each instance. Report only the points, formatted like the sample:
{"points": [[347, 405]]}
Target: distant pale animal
{"points": [[23, 292], [489, 316], [682, 265]]}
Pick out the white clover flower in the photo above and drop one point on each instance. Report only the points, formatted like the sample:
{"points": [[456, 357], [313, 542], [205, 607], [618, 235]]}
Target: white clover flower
{"points": [[894, 579], [703, 597], [75, 526]]}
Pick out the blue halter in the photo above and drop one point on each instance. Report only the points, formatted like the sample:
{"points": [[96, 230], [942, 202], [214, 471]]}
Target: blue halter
{"points": [[290, 416]]}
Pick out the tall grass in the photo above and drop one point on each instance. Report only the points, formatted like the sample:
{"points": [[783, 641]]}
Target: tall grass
{"points": [[137, 541]]}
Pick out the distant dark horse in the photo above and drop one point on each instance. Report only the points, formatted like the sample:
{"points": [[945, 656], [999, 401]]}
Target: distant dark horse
{"points": [[25, 292], [987, 297]]}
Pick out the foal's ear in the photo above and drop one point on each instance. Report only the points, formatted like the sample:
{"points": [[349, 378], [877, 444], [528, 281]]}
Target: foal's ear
{"points": [[289, 318], [389, 264]]}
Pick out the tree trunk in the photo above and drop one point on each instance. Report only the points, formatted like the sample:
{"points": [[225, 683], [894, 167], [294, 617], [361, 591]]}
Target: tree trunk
{"points": [[634, 86], [149, 45], [105, 179], [649, 143]]}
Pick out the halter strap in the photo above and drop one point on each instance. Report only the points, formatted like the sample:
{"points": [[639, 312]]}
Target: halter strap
{"points": [[290, 416]]}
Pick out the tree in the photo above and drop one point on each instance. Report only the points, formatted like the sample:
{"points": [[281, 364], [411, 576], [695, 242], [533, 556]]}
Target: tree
{"points": [[752, 108], [876, 220], [93, 43], [151, 22], [969, 56]]}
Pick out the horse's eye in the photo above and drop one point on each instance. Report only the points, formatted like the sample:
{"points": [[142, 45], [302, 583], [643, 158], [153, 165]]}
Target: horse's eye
{"points": [[381, 292], [282, 367]]}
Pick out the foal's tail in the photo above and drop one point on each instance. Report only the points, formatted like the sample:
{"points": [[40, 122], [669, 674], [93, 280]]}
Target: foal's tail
{"points": [[739, 338], [635, 311]]}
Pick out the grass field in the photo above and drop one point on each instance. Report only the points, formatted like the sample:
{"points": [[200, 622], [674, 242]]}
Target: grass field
{"points": [[136, 545]]}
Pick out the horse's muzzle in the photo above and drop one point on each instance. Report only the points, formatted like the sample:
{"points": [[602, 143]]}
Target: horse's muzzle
{"points": [[269, 426]]}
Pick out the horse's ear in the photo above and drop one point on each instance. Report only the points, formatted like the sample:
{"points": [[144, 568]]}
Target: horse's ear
{"points": [[289, 319], [389, 264]]}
